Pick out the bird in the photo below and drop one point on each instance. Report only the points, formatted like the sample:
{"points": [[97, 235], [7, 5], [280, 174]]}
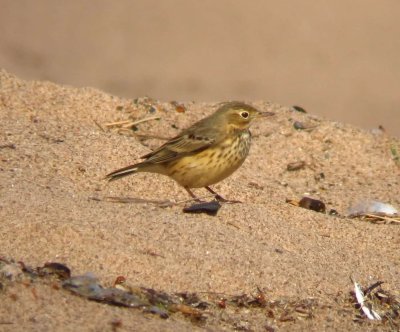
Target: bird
{"points": [[205, 153]]}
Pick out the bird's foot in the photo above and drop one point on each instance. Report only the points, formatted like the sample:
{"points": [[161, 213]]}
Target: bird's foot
{"points": [[219, 198]]}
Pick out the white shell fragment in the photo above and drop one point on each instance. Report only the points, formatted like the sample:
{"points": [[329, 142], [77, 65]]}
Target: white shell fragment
{"points": [[371, 314], [372, 207]]}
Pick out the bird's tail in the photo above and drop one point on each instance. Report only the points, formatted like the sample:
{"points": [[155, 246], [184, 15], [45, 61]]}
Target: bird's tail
{"points": [[120, 173]]}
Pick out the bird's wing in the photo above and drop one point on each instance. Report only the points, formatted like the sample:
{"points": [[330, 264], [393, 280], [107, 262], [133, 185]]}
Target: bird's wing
{"points": [[183, 144]]}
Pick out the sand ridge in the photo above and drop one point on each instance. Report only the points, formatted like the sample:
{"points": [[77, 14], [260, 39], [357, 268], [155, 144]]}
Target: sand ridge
{"points": [[61, 155]]}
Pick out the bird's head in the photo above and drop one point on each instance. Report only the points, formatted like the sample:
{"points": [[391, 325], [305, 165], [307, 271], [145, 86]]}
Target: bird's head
{"points": [[238, 115]]}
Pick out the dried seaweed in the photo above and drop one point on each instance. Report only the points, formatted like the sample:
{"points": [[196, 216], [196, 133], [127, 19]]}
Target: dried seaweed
{"points": [[376, 303], [231, 311]]}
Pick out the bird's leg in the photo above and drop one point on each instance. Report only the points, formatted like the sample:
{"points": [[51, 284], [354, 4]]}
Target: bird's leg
{"points": [[192, 195], [219, 198]]}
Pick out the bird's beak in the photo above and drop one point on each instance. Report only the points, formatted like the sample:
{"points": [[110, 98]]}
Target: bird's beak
{"points": [[265, 114]]}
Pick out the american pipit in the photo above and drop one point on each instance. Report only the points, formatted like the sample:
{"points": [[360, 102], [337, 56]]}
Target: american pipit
{"points": [[205, 153]]}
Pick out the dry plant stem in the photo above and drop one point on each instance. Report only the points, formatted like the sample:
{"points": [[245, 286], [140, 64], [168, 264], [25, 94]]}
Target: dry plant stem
{"points": [[129, 123], [395, 220], [372, 287], [99, 125], [8, 145], [117, 123]]}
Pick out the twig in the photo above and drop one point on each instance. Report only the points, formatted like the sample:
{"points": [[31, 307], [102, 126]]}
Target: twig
{"points": [[8, 145], [117, 123], [99, 125], [129, 123], [395, 220], [372, 287], [233, 224], [142, 120]]}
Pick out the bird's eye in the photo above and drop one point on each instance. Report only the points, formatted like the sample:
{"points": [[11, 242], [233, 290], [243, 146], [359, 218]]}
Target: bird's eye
{"points": [[244, 114]]}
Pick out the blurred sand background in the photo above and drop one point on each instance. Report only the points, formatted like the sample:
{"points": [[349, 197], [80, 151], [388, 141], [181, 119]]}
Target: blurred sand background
{"points": [[338, 59]]}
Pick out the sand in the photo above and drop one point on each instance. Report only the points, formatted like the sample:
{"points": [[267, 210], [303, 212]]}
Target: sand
{"points": [[53, 209]]}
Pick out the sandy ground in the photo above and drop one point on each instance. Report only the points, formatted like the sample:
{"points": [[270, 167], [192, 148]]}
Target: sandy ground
{"points": [[337, 59], [62, 150]]}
